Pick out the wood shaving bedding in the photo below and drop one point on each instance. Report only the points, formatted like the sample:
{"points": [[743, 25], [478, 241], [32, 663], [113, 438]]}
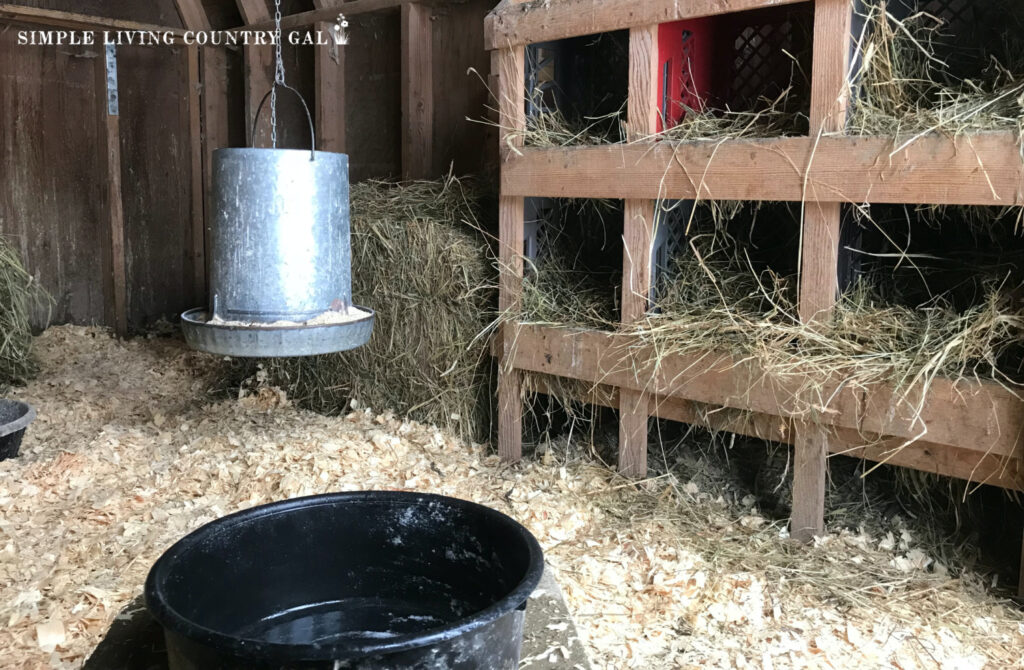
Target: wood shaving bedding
{"points": [[129, 454]]}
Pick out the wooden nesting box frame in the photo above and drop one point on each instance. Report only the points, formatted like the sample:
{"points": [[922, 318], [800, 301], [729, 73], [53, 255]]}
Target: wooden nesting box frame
{"points": [[973, 429]]}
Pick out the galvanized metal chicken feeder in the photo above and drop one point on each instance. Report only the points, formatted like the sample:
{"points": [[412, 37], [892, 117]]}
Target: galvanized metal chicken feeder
{"points": [[280, 256]]}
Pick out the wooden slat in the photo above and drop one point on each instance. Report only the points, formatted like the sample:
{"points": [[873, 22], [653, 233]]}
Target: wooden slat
{"points": [[1020, 578], [940, 459], [417, 92], [216, 116], [544, 20], [329, 65], [110, 144], [819, 268], [980, 169], [259, 72], [819, 279], [980, 417], [511, 70], [638, 226], [193, 15], [197, 234], [59, 19], [259, 77]]}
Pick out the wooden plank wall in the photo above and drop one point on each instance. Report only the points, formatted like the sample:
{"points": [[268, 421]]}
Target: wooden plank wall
{"points": [[157, 190], [458, 93], [54, 189], [373, 100], [52, 205]]}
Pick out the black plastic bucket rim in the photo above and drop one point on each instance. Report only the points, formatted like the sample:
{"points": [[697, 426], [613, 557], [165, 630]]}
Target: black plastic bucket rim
{"points": [[28, 414], [253, 649]]}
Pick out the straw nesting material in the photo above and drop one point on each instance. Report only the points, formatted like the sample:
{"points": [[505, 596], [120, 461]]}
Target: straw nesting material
{"points": [[726, 292], [914, 75]]}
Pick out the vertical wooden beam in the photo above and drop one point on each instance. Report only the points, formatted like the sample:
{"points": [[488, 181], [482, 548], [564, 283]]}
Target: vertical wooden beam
{"points": [[259, 77], [110, 134], [1020, 577], [259, 73], [196, 250], [510, 65], [819, 283], [637, 235], [215, 117], [193, 15], [417, 92], [330, 94]]}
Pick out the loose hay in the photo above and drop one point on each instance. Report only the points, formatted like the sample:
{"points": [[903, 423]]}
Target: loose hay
{"points": [[914, 77], [577, 276], [18, 293], [128, 455], [421, 261]]}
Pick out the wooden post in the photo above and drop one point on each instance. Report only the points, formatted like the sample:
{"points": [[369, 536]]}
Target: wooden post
{"points": [[1020, 577], [417, 92], [330, 95], [637, 234], [110, 132], [819, 283], [216, 120], [194, 17], [197, 231], [259, 73], [259, 77], [510, 65]]}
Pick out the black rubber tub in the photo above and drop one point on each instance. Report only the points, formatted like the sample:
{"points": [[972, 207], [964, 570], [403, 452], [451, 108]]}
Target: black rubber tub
{"points": [[368, 580], [14, 419]]}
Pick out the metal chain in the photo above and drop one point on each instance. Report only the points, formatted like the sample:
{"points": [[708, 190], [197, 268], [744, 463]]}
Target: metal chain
{"points": [[278, 72]]}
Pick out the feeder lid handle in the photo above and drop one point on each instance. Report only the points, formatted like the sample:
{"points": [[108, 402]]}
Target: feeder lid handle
{"points": [[279, 81], [309, 117]]}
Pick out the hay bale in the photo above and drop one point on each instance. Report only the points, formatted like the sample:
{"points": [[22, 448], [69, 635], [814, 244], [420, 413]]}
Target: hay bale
{"points": [[421, 261], [18, 291]]}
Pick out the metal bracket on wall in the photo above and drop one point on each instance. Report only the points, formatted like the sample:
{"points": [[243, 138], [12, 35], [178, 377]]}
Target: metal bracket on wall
{"points": [[111, 59]]}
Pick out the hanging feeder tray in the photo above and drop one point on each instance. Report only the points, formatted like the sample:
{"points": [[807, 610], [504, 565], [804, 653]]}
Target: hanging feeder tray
{"points": [[281, 259], [274, 341]]}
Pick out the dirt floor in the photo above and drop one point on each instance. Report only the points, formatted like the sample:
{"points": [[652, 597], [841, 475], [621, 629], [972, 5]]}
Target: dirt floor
{"points": [[130, 452]]}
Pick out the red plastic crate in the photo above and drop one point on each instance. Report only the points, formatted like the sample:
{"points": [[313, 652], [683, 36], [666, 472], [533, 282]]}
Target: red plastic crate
{"points": [[685, 63]]}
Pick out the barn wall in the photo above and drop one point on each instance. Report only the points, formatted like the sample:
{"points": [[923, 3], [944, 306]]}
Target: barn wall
{"points": [[373, 96], [54, 185], [51, 203], [155, 182], [458, 45]]}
